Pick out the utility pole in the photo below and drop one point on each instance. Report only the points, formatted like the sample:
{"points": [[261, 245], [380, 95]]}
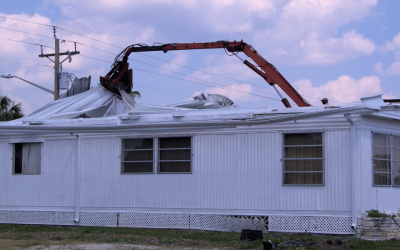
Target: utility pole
{"points": [[56, 66], [57, 62]]}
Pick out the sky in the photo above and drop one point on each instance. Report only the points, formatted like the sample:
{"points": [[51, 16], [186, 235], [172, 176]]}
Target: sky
{"points": [[339, 49]]}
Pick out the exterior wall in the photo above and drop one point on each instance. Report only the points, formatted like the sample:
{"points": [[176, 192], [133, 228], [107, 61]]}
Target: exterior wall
{"points": [[237, 173], [380, 198], [54, 187]]}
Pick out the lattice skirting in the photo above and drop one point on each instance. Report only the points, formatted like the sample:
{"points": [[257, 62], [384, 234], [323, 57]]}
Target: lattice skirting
{"points": [[226, 223]]}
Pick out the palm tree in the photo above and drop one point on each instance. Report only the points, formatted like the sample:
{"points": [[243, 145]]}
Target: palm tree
{"points": [[9, 111]]}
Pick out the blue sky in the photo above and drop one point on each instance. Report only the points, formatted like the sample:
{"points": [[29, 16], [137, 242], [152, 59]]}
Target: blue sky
{"points": [[342, 49]]}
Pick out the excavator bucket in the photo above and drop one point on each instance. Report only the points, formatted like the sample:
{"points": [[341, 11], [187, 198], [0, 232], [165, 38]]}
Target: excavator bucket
{"points": [[117, 82]]}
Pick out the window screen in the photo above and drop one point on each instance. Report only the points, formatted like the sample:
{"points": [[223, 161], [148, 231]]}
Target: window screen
{"points": [[303, 159], [386, 159], [381, 159], [137, 155], [27, 158], [174, 155]]}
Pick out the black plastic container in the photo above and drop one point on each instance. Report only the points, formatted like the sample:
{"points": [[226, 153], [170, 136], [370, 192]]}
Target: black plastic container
{"points": [[268, 245], [251, 235]]}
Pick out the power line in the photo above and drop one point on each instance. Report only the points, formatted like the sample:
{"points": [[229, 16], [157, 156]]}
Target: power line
{"points": [[26, 32], [135, 83], [214, 84], [26, 42], [26, 21], [137, 53], [35, 64], [123, 48]]}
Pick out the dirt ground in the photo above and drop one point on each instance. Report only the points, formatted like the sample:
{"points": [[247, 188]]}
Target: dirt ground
{"points": [[33, 245]]}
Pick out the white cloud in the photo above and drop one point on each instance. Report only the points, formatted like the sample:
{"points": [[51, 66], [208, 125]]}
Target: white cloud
{"points": [[334, 50], [230, 92], [394, 44], [378, 68], [176, 64], [301, 17], [341, 91], [306, 32], [394, 68]]}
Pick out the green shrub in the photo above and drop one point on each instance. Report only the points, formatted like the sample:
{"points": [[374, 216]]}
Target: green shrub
{"points": [[373, 213]]}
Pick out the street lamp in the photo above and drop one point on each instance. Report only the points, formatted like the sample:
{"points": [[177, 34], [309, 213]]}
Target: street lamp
{"points": [[40, 87]]}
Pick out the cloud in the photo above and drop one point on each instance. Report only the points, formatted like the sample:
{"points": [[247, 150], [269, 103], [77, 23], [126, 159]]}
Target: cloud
{"points": [[394, 44], [233, 92], [305, 32], [334, 50], [341, 91], [301, 17], [378, 68], [394, 68], [176, 64]]}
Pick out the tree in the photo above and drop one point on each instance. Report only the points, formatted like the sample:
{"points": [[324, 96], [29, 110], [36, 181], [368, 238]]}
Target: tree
{"points": [[9, 111]]}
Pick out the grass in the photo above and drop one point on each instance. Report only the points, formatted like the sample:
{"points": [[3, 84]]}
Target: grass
{"points": [[27, 236]]}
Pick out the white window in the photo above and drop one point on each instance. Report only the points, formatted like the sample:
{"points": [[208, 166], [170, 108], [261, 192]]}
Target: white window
{"points": [[137, 155], [303, 161], [173, 155], [386, 159], [27, 158]]}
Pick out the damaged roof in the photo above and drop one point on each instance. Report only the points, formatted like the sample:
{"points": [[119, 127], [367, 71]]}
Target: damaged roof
{"points": [[99, 107]]}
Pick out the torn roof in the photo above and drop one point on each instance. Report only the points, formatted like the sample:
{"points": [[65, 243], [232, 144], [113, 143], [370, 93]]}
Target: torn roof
{"points": [[100, 107], [100, 102]]}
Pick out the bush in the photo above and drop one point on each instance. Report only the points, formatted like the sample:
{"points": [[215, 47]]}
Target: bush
{"points": [[373, 213]]}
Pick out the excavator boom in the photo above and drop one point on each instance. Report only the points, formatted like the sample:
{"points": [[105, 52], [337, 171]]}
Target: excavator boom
{"points": [[120, 77]]}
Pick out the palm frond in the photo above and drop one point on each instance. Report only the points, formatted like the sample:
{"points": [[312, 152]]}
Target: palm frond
{"points": [[134, 94]]}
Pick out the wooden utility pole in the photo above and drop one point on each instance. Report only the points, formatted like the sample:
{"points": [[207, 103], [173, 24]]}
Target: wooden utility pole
{"points": [[56, 68], [57, 62]]}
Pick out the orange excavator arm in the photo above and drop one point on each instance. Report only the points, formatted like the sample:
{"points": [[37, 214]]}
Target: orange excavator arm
{"points": [[120, 77]]}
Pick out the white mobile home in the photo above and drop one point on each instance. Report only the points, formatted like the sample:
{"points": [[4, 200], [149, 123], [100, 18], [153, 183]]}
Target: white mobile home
{"points": [[94, 159]]}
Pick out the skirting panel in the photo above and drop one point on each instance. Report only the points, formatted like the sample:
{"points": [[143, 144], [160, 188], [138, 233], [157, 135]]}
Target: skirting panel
{"points": [[225, 223], [311, 224]]}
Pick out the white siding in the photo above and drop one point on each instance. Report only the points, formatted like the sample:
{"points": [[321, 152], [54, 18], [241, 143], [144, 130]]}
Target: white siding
{"points": [[380, 198], [230, 172], [53, 187]]}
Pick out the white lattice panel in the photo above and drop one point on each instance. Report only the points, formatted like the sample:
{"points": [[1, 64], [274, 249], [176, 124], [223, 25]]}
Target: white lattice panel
{"points": [[227, 223], [333, 225], [180, 221], [98, 219], [26, 217], [64, 218]]}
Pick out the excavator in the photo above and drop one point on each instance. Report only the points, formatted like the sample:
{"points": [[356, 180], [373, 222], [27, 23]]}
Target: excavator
{"points": [[120, 76]]}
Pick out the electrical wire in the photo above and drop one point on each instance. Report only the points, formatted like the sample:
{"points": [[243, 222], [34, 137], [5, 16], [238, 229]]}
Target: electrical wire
{"points": [[15, 19], [119, 55], [135, 83], [26, 32], [120, 48], [35, 64], [233, 54], [211, 85], [26, 42]]}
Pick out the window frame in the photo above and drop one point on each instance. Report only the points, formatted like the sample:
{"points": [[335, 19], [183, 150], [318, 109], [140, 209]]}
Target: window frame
{"points": [[122, 156], [13, 156], [323, 159], [156, 154], [392, 174], [191, 154]]}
